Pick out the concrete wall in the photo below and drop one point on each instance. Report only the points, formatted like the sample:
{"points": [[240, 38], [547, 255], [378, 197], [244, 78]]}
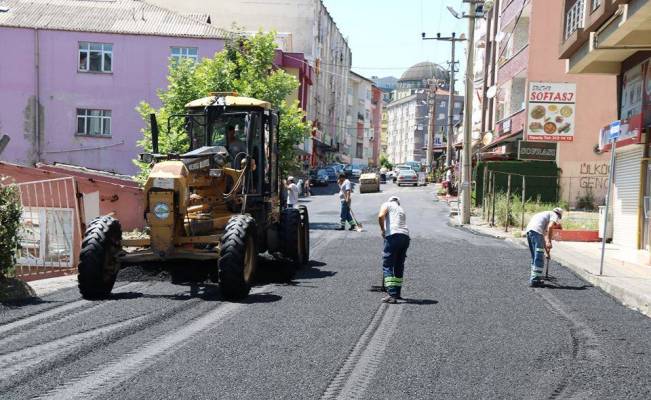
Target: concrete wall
{"points": [[595, 106], [139, 70]]}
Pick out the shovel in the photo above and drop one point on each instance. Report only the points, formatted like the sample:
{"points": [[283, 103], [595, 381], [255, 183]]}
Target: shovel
{"points": [[547, 265]]}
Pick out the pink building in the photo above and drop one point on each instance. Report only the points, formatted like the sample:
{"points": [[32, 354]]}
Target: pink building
{"points": [[517, 51], [87, 64]]}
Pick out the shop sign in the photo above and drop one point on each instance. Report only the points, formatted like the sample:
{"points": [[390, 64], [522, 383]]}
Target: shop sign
{"points": [[541, 151], [551, 112]]}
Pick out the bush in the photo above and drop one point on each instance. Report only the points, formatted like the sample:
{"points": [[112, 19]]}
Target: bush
{"points": [[586, 202], [10, 212], [531, 207]]}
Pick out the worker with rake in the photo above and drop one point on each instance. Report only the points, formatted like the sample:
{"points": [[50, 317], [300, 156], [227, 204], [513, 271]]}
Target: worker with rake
{"points": [[393, 225], [345, 194], [539, 238]]}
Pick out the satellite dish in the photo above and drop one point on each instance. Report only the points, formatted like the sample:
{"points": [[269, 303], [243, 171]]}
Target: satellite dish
{"points": [[488, 138], [491, 92], [500, 36]]}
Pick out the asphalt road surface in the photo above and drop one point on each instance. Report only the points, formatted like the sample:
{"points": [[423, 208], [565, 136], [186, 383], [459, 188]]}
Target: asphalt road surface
{"points": [[469, 328]]}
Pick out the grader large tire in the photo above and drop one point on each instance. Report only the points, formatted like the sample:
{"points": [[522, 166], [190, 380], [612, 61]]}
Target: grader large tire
{"points": [[238, 257], [291, 237], [305, 227], [98, 262]]}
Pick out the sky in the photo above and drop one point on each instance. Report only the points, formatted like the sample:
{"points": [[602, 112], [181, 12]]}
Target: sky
{"points": [[385, 35]]}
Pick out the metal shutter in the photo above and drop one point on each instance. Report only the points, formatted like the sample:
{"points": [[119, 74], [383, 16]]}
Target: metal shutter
{"points": [[626, 197]]}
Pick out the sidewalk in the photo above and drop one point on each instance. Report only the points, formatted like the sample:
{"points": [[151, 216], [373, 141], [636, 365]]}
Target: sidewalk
{"points": [[626, 277]]}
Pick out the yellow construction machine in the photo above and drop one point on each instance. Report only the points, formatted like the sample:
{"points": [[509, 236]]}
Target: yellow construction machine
{"points": [[211, 210]]}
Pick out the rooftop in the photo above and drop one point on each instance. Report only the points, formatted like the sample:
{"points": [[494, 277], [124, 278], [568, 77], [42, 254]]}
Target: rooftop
{"points": [[104, 16]]}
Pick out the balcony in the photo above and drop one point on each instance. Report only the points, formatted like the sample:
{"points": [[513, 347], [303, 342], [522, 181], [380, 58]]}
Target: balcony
{"points": [[582, 17]]}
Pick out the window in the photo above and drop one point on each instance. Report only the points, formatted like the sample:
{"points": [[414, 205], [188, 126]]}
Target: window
{"points": [[441, 116], [595, 4], [179, 53], [574, 18], [443, 104], [93, 122], [95, 57], [457, 104]]}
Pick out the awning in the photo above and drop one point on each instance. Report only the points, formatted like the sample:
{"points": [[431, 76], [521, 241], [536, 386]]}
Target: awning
{"points": [[502, 140], [322, 146]]}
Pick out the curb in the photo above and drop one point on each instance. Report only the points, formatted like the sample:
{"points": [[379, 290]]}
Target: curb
{"points": [[38, 288]]}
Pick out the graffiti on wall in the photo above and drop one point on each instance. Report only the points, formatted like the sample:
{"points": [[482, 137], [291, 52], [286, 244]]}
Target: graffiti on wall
{"points": [[593, 176]]}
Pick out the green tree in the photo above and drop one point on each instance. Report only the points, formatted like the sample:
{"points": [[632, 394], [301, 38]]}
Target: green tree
{"points": [[384, 162], [10, 212], [245, 66]]}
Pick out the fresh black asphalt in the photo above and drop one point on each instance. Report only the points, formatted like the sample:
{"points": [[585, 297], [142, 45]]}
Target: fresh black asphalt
{"points": [[470, 327]]}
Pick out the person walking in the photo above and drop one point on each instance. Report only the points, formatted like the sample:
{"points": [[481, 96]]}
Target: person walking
{"points": [[393, 224], [345, 193], [307, 189], [292, 193], [539, 237], [300, 187]]}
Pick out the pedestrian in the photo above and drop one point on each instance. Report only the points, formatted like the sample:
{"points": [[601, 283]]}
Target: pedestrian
{"points": [[307, 189], [539, 237], [393, 224], [345, 193], [300, 187], [292, 192]]}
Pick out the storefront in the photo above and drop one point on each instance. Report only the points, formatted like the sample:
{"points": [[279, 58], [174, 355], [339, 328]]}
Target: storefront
{"points": [[632, 180]]}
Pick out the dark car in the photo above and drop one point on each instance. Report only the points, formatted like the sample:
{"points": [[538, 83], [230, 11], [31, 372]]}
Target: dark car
{"points": [[320, 178], [332, 174], [348, 170], [407, 177]]}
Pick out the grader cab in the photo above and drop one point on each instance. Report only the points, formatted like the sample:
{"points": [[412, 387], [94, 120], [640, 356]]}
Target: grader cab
{"points": [[211, 210]]}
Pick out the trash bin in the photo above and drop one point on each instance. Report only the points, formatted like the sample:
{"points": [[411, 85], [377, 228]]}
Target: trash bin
{"points": [[602, 216]]}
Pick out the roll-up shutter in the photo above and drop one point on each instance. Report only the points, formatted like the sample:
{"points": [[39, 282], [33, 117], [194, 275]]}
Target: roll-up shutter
{"points": [[626, 196]]}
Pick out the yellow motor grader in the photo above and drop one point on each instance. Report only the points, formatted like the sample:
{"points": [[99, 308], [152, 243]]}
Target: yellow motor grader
{"points": [[211, 210]]}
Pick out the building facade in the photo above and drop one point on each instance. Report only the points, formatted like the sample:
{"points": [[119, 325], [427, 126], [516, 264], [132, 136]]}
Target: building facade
{"points": [[408, 115], [303, 26], [517, 61], [70, 90], [359, 119], [610, 37]]}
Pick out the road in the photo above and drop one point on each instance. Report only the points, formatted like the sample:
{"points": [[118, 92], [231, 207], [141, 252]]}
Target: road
{"points": [[470, 328]]}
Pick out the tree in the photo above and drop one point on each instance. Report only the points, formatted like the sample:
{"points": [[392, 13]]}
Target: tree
{"points": [[384, 162], [245, 66], [10, 213]]}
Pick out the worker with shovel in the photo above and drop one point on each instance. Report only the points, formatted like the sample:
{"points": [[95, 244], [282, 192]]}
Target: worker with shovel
{"points": [[539, 237], [393, 225]]}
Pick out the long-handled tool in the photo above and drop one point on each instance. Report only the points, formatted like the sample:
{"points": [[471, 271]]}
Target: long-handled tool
{"points": [[547, 265], [358, 225]]}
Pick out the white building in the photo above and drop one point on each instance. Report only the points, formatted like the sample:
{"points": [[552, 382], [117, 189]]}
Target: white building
{"points": [[303, 26], [358, 119], [408, 114]]}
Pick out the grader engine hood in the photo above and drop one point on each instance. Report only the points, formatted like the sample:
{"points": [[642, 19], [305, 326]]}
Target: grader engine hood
{"points": [[166, 198]]}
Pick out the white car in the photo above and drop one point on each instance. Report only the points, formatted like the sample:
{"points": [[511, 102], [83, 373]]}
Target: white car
{"points": [[357, 172]]}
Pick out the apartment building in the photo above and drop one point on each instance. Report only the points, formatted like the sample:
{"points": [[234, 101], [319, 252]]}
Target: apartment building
{"points": [[69, 90], [611, 37]]}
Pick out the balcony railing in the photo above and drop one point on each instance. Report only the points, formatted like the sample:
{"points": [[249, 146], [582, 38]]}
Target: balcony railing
{"points": [[574, 17]]}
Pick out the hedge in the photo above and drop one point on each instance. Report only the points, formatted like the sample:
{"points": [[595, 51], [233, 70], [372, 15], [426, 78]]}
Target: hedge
{"points": [[543, 189], [10, 212]]}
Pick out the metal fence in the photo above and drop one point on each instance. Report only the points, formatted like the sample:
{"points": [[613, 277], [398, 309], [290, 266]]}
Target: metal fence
{"points": [[50, 227], [570, 192]]}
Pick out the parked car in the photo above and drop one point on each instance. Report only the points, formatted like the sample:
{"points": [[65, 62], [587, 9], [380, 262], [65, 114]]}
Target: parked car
{"points": [[357, 171], [408, 177], [398, 169], [332, 174], [348, 170], [320, 178]]}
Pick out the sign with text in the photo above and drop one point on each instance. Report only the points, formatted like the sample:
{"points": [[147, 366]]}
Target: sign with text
{"points": [[542, 151], [552, 107]]}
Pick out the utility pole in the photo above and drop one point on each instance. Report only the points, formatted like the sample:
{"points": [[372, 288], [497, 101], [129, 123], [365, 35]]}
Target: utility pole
{"points": [[453, 40], [466, 171]]}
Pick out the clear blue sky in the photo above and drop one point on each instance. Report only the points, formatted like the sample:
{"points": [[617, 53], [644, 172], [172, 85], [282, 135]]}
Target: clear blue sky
{"points": [[384, 35]]}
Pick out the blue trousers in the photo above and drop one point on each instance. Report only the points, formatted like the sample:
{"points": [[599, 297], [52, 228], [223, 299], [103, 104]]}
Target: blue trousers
{"points": [[345, 215], [537, 249], [393, 262]]}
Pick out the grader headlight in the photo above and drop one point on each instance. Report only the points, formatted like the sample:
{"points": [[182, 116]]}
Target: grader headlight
{"points": [[162, 210]]}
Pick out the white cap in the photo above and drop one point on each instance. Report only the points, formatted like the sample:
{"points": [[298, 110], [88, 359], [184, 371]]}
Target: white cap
{"points": [[395, 198], [290, 178], [559, 212]]}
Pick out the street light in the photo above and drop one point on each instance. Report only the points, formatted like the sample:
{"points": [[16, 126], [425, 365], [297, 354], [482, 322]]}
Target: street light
{"points": [[454, 13]]}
